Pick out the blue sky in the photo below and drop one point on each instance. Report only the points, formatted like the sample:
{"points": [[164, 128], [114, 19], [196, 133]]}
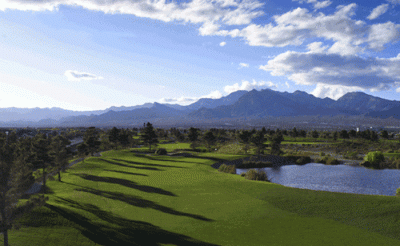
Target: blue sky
{"points": [[87, 55]]}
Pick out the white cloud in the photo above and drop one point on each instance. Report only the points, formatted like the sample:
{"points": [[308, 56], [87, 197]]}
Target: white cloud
{"points": [[215, 16], [247, 86], [378, 11], [316, 47], [211, 14], [323, 4], [315, 3], [350, 36], [287, 84], [394, 1], [335, 70], [222, 44], [333, 91], [188, 100], [381, 34], [78, 76], [242, 65]]}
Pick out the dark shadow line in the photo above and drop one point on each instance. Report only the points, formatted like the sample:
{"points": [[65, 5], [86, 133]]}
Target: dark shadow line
{"points": [[146, 164], [124, 165], [121, 231], [139, 202], [175, 160], [126, 183], [123, 172]]}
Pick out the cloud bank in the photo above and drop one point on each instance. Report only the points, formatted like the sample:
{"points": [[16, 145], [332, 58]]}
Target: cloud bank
{"points": [[247, 86], [331, 71], [189, 100], [211, 14]]}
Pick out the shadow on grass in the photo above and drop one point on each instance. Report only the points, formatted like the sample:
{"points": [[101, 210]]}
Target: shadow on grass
{"points": [[175, 159], [137, 167], [147, 164], [117, 230], [139, 202], [126, 183], [115, 171]]}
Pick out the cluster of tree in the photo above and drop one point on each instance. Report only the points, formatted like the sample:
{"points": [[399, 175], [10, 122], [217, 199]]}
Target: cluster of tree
{"points": [[17, 159]]}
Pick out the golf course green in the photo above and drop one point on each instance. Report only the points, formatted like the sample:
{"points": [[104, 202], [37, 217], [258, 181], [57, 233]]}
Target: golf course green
{"points": [[125, 198]]}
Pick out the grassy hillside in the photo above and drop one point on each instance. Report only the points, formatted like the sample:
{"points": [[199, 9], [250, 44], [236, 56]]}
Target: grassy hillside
{"points": [[122, 198]]}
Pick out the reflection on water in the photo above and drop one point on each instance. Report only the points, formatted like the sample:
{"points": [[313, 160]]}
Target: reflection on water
{"points": [[339, 178]]}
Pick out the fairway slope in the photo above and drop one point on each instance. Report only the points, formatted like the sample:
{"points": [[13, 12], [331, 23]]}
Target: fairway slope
{"points": [[124, 198]]}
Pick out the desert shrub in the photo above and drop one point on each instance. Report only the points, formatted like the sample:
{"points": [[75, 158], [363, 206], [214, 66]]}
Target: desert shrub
{"points": [[392, 163], [351, 155], [375, 158], [161, 151], [303, 160], [254, 174], [227, 169], [328, 160]]}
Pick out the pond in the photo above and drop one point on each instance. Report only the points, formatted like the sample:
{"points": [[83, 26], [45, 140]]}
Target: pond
{"points": [[337, 178]]}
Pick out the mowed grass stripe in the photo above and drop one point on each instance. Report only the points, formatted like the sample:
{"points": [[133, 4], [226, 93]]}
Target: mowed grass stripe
{"points": [[125, 199]]}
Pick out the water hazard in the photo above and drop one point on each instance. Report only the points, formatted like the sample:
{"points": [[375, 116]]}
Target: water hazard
{"points": [[339, 178]]}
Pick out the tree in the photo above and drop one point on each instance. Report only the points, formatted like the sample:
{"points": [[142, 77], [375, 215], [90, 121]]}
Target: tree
{"points": [[113, 136], [82, 149], [258, 140], [209, 138], [149, 136], [385, 134], [344, 134], [15, 178], [315, 134], [244, 137], [193, 136], [335, 136], [293, 133], [125, 138], [276, 144], [352, 133], [375, 158], [91, 139], [41, 157], [60, 154]]}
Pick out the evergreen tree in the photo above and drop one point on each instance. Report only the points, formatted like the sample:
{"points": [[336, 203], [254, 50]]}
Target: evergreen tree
{"points": [[276, 144], [41, 157], [60, 154], [91, 139], [385, 134], [315, 134], [209, 139], [15, 178], [193, 136], [258, 140], [125, 138], [244, 137], [113, 135], [149, 136]]}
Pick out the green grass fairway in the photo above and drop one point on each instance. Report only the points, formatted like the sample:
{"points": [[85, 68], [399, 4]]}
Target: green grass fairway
{"points": [[124, 199]]}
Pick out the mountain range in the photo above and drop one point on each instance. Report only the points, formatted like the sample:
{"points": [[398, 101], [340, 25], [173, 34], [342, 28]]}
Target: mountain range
{"points": [[239, 105]]}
